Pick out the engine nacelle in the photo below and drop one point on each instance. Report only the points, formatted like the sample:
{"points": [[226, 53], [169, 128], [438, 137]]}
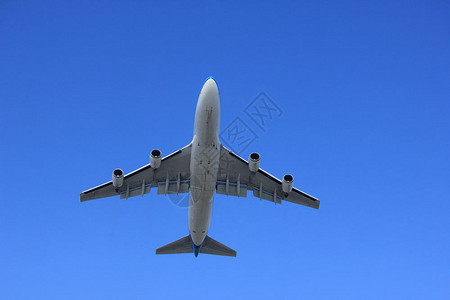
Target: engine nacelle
{"points": [[253, 162], [155, 158], [117, 178], [288, 183]]}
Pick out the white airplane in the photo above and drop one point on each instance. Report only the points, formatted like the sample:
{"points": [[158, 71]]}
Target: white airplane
{"points": [[201, 168]]}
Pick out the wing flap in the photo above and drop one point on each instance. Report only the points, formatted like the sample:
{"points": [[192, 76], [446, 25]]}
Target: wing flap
{"points": [[165, 188], [232, 189], [135, 192], [266, 195]]}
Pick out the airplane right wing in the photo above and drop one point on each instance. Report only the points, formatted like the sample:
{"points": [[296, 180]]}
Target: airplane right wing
{"points": [[172, 177], [235, 179]]}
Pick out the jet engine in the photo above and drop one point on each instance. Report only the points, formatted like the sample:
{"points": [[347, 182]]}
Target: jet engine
{"points": [[117, 178], [254, 161], [288, 183], [155, 158]]}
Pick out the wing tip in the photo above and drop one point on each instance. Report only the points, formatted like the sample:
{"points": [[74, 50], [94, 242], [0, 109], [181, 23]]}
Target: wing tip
{"points": [[83, 197]]}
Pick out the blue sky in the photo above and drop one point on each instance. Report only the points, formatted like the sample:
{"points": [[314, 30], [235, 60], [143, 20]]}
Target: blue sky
{"points": [[364, 91]]}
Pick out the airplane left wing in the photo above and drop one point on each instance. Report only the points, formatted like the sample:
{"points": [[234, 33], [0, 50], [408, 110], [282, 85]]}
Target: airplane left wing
{"points": [[172, 177], [235, 179]]}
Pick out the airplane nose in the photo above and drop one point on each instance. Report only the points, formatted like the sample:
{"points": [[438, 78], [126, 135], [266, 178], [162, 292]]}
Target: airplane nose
{"points": [[210, 84], [210, 90]]}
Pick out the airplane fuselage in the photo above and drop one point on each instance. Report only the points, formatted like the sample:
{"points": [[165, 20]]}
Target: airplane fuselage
{"points": [[204, 164]]}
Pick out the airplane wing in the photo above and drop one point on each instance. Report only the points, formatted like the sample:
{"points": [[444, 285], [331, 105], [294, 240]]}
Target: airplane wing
{"points": [[235, 179], [172, 177]]}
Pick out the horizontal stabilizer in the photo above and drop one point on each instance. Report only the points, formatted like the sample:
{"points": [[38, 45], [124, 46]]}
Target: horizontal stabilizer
{"points": [[185, 245], [211, 246]]}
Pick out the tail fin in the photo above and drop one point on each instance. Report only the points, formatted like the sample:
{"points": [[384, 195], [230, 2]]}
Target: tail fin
{"points": [[185, 245]]}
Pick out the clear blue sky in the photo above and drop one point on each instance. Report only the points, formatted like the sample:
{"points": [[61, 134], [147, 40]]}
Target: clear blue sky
{"points": [[88, 86]]}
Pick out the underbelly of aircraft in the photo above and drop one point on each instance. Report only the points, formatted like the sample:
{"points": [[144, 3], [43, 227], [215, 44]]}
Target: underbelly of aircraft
{"points": [[204, 169]]}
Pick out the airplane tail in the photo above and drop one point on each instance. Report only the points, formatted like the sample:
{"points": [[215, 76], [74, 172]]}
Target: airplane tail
{"points": [[185, 245], [211, 246]]}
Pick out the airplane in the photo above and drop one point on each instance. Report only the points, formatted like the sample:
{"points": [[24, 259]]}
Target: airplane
{"points": [[202, 168]]}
